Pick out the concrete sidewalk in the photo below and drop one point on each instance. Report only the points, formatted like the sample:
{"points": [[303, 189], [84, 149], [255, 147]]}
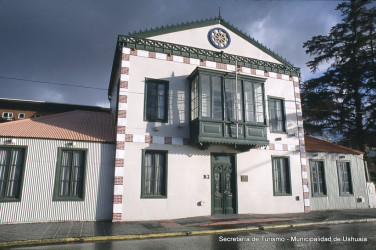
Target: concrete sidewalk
{"points": [[60, 232]]}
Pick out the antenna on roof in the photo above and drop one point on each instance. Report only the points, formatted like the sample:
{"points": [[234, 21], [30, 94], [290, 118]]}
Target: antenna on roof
{"points": [[219, 12]]}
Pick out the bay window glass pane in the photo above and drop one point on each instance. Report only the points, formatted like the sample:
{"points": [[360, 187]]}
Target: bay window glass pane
{"points": [[259, 102], [217, 98], [194, 99], [248, 102], [229, 99], [239, 101], [205, 96]]}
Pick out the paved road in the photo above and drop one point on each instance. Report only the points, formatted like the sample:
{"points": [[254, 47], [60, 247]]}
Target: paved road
{"points": [[345, 236]]}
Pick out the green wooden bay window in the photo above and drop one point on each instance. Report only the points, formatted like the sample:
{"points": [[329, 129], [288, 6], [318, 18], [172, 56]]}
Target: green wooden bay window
{"points": [[226, 111], [70, 170], [12, 161], [154, 174]]}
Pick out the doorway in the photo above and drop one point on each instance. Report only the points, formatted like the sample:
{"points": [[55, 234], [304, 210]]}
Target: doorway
{"points": [[223, 190]]}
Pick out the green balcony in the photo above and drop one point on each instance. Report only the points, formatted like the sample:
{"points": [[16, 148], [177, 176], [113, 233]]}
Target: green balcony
{"points": [[225, 113]]}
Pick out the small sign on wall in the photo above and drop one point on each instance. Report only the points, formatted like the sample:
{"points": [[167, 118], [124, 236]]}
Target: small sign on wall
{"points": [[244, 178]]}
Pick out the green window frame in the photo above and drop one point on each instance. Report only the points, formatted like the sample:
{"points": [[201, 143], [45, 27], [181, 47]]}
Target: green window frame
{"points": [[12, 165], [70, 175], [154, 174], [156, 100], [277, 116], [318, 180], [281, 176], [344, 178]]}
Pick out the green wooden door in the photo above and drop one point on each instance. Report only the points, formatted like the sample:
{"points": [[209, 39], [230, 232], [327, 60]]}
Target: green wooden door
{"points": [[223, 184]]}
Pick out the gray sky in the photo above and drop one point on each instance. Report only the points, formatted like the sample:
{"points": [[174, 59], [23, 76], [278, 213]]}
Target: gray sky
{"points": [[73, 41]]}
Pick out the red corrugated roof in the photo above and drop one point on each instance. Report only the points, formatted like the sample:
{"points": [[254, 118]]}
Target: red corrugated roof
{"points": [[313, 144], [75, 125]]}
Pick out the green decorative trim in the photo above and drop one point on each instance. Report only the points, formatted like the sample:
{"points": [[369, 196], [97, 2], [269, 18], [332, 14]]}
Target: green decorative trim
{"points": [[56, 196], [203, 54], [202, 23]]}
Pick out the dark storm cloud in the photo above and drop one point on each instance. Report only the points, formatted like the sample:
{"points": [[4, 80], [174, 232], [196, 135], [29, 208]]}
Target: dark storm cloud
{"points": [[73, 41]]}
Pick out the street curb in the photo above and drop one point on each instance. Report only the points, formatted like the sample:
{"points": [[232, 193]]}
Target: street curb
{"points": [[173, 234]]}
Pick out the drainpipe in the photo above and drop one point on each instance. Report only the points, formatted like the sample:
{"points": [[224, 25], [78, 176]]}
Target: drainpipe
{"points": [[236, 98]]}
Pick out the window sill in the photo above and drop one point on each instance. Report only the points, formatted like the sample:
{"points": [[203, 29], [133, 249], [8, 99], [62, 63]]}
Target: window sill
{"points": [[346, 195], [144, 196], [3, 200], [319, 195], [282, 194], [68, 199]]}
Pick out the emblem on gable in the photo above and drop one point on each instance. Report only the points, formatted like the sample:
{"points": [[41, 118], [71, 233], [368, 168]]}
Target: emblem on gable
{"points": [[219, 38]]}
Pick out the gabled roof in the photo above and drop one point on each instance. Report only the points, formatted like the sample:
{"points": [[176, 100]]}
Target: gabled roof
{"points": [[313, 144], [207, 22], [74, 125]]}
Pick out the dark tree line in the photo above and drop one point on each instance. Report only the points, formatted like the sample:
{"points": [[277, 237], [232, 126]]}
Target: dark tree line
{"points": [[342, 101]]}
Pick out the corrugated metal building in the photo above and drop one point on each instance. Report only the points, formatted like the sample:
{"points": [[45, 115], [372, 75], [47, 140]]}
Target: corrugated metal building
{"points": [[57, 168], [337, 178]]}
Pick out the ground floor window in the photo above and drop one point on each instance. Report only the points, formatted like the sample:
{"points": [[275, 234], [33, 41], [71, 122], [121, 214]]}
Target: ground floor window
{"points": [[281, 176], [12, 162], [69, 183], [154, 174], [344, 178], [317, 178]]}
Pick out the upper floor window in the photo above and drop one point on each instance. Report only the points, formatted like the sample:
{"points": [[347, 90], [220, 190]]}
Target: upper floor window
{"points": [[21, 115], [344, 178], [69, 183], [277, 115], [156, 101], [12, 161], [218, 97]]}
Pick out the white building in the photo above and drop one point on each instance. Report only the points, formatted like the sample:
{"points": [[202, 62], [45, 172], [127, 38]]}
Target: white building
{"points": [[191, 142], [57, 168], [337, 177]]}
